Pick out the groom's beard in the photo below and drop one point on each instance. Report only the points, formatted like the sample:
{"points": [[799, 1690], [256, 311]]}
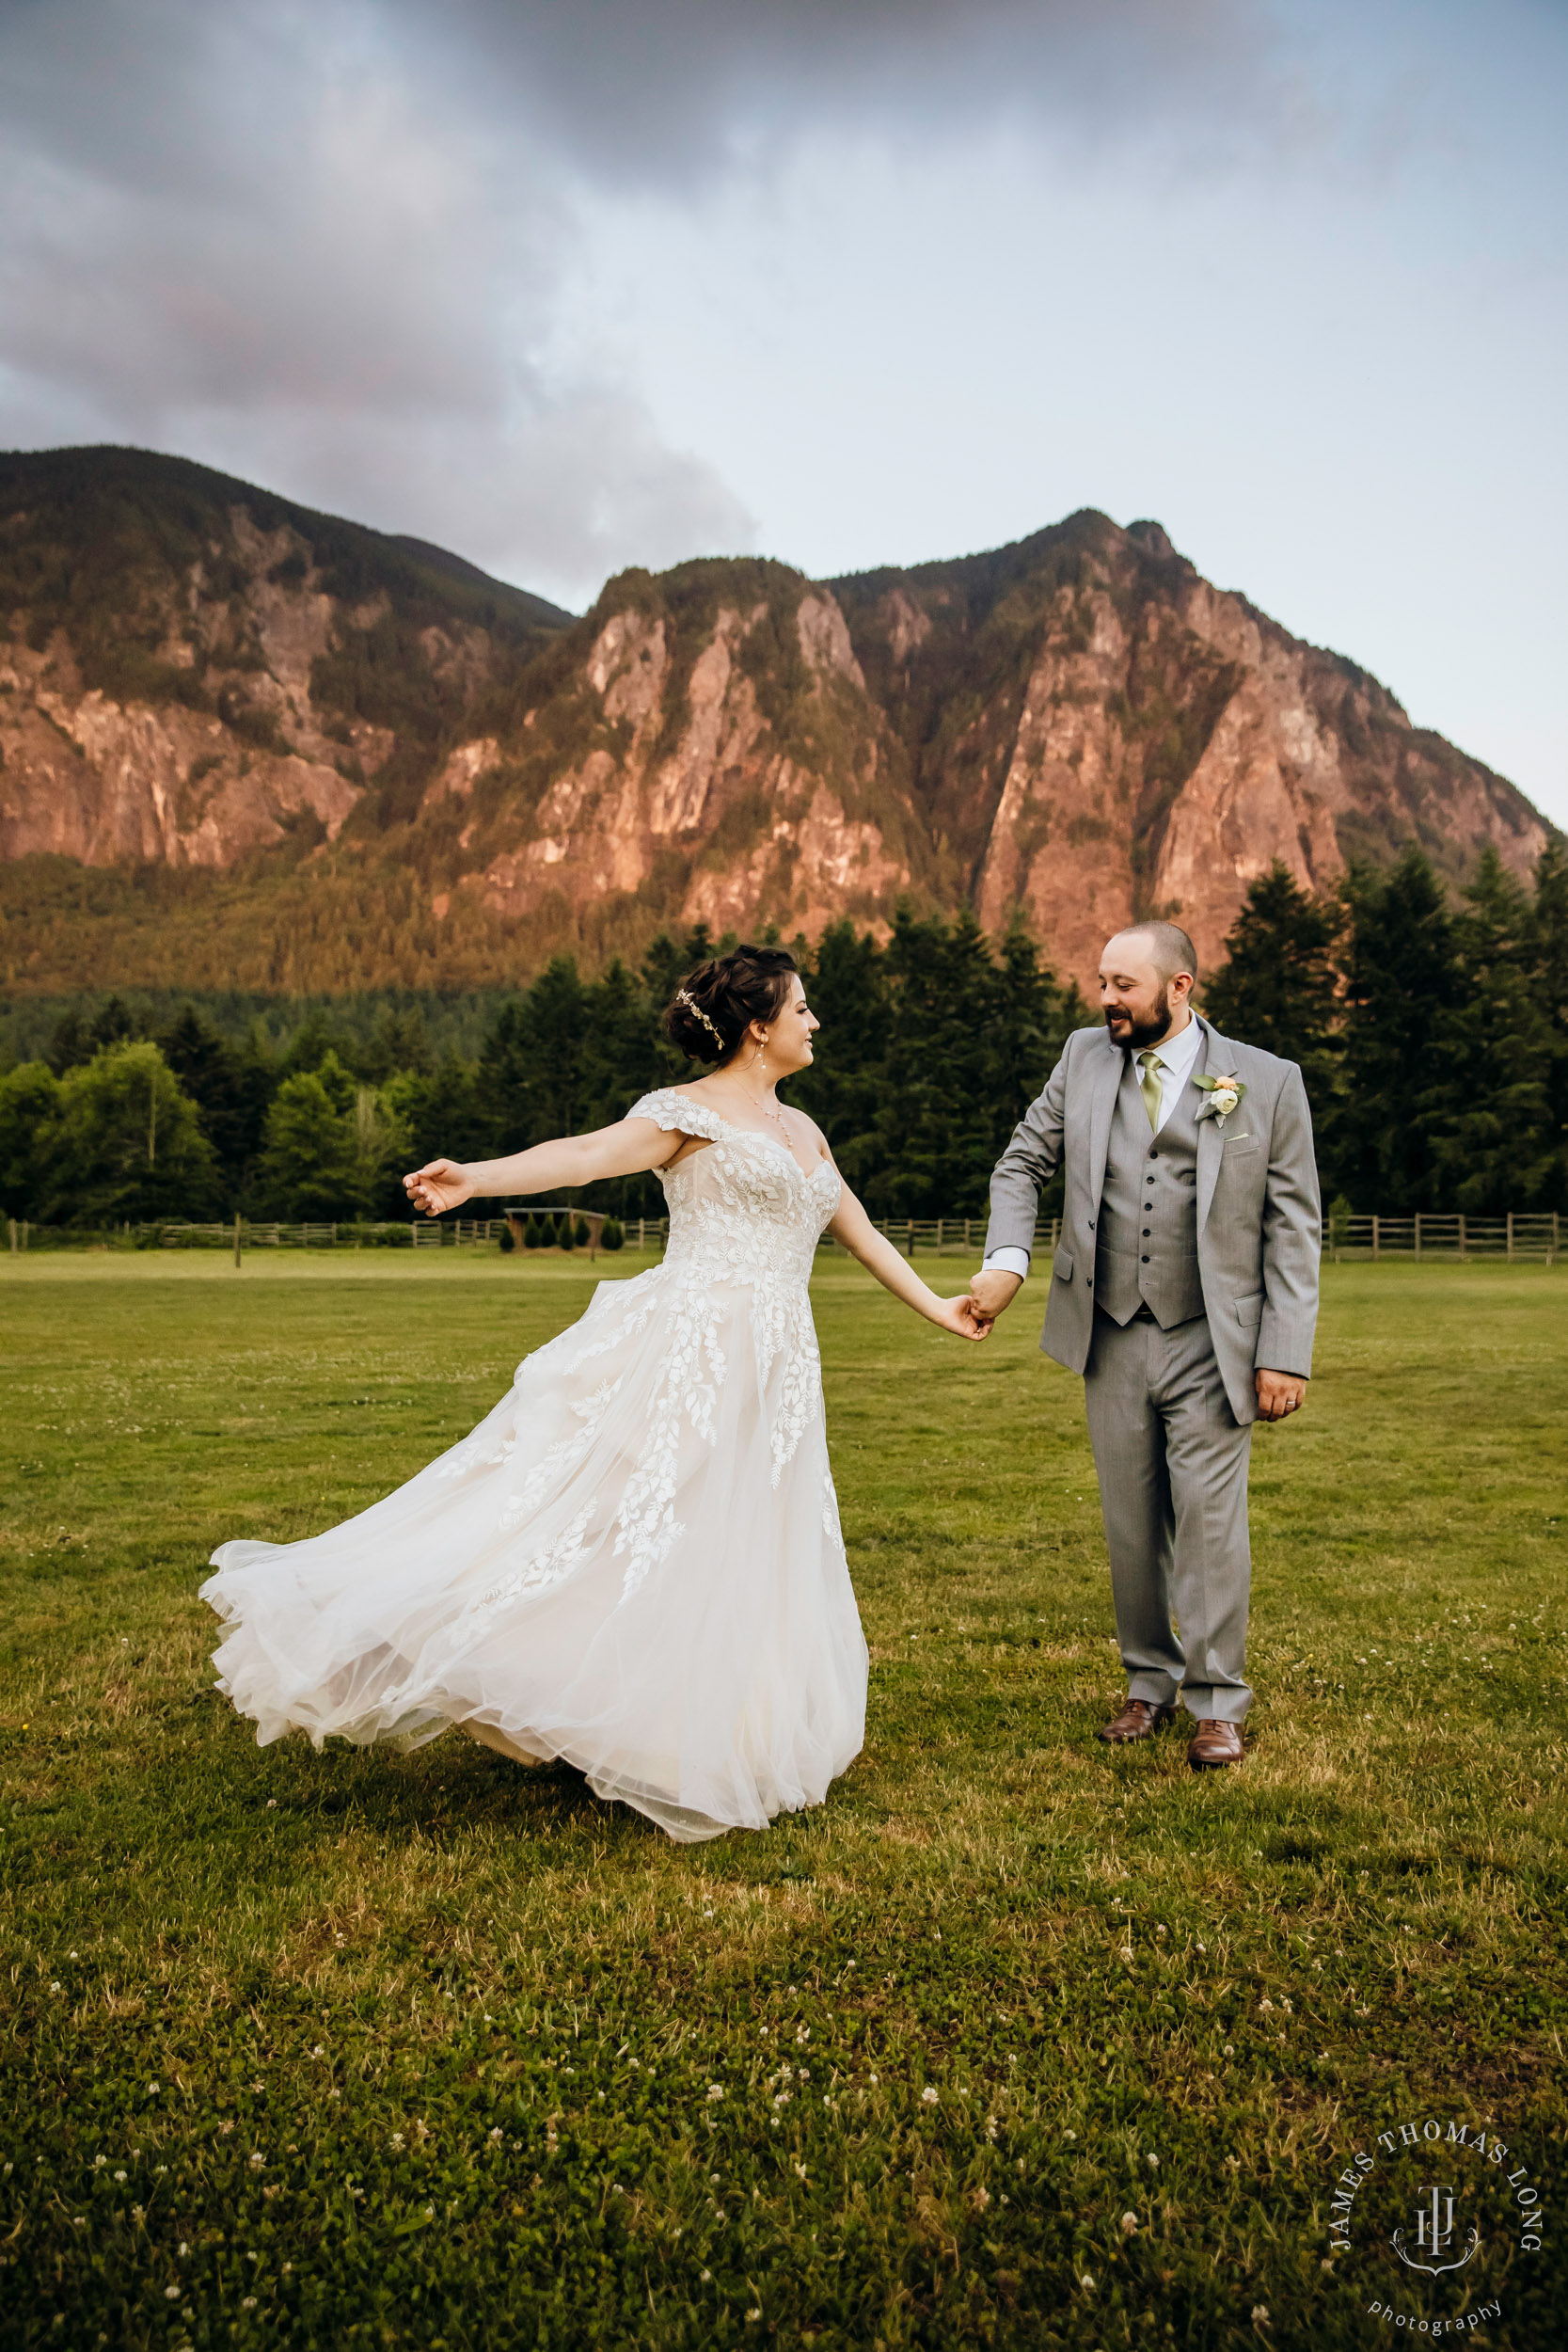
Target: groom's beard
{"points": [[1135, 1036]]}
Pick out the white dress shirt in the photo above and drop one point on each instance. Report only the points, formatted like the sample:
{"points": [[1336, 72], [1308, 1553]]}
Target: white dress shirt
{"points": [[1173, 1062]]}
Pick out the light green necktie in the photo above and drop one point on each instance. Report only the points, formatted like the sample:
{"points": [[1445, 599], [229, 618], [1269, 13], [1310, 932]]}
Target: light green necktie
{"points": [[1148, 1087]]}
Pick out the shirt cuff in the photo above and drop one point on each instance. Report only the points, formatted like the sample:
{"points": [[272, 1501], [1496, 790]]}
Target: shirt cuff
{"points": [[1007, 1262]]}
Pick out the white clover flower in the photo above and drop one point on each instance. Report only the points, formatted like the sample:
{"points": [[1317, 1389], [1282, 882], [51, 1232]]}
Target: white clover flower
{"points": [[929, 2097], [247, 2302], [1086, 2282], [57, 1986], [1265, 2007], [1129, 2225], [982, 2198], [257, 2161], [1259, 2315], [396, 2140], [715, 2090], [1152, 2160], [99, 2161], [120, 2176], [496, 2134], [171, 2295]]}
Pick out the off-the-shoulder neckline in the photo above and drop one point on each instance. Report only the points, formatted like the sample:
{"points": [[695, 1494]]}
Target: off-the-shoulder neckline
{"points": [[753, 1135]]}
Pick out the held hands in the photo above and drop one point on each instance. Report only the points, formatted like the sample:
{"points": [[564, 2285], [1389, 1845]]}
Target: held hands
{"points": [[440, 1184], [962, 1317], [990, 1293]]}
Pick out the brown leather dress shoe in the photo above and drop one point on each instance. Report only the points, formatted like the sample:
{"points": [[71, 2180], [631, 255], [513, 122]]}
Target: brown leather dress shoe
{"points": [[1214, 1744], [1139, 1720]]}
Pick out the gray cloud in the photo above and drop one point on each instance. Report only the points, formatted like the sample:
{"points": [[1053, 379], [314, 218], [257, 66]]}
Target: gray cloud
{"points": [[325, 244]]}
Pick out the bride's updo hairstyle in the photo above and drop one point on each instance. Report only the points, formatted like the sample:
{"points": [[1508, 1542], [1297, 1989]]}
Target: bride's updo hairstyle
{"points": [[715, 1005]]}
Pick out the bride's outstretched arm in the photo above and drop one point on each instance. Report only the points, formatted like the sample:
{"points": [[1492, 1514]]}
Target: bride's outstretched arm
{"points": [[854, 1229], [630, 1148]]}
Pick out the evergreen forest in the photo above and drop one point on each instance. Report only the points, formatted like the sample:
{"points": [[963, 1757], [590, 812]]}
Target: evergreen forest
{"points": [[1433, 1032]]}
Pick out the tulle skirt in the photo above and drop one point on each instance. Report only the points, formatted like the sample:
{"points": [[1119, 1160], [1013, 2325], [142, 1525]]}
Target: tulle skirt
{"points": [[633, 1564]]}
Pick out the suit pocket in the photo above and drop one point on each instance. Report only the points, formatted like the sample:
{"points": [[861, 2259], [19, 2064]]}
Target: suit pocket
{"points": [[1062, 1265], [1249, 1311], [1236, 1147]]}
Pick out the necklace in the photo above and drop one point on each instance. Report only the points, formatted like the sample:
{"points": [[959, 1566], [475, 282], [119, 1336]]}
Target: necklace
{"points": [[769, 1109]]}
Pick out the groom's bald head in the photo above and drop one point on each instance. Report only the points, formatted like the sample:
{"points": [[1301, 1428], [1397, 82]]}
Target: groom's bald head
{"points": [[1164, 946]]}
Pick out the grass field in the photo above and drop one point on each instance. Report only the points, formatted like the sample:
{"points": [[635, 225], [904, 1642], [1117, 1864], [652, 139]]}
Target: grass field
{"points": [[1016, 2042]]}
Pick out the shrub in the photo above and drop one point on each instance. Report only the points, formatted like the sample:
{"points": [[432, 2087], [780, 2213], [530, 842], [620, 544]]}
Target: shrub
{"points": [[507, 1238], [534, 1233], [562, 1235], [612, 1236], [581, 1234]]}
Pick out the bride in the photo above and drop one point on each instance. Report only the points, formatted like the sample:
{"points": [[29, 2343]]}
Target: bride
{"points": [[634, 1562]]}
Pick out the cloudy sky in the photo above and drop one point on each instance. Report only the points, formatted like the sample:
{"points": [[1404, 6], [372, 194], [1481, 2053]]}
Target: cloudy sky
{"points": [[577, 285]]}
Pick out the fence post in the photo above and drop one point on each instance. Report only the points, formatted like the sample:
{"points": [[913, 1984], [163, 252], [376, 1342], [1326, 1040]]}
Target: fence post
{"points": [[1510, 1236], [1462, 1237], [939, 1237], [11, 1222], [1376, 1222], [1552, 1259], [909, 1244], [236, 1237], [1417, 1233]]}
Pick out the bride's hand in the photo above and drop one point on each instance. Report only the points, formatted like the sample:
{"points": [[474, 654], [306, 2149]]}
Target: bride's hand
{"points": [[958, 1316], [440, 1184]]}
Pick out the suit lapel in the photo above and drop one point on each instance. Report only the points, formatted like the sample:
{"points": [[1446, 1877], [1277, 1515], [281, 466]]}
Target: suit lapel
{"points": [[1102, 1102], [1211, 1061]]}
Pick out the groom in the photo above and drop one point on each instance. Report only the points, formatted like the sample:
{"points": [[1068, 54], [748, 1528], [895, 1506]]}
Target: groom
{"points": [[1185, 1291]]}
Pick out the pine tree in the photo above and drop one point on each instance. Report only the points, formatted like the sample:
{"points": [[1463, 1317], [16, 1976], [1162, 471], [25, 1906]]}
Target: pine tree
{"points": [[310, 1162], [232, 1089], [1550, 925], [1492, 1142], [1278, 988], [1403, 985]]}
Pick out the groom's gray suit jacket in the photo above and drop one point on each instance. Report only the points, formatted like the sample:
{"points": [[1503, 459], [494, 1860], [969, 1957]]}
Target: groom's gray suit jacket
{"points": [[1257, 1214]]}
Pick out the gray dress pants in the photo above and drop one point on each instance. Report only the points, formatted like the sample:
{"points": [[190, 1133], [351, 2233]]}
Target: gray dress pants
{"points": [[1172, 1462]]}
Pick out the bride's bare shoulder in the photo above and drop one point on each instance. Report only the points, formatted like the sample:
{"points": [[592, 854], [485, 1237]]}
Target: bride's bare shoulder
{"points": [[819, 1141]]}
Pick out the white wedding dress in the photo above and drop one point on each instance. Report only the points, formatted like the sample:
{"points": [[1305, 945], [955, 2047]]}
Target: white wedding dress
{"points": [[634, 1562]]}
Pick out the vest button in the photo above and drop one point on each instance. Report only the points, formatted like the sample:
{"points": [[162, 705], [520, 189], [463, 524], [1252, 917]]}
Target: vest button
{"points": [[1148, 1229], [1144, 1261]]}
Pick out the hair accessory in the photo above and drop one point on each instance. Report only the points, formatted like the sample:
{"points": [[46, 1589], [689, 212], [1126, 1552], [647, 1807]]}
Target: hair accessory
{"points": [[691, 1006]]}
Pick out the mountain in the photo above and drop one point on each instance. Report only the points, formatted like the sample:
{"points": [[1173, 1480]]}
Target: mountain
{"points": [[248, 745]]}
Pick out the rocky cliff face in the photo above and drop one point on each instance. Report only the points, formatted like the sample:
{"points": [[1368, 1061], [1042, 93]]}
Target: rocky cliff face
{"points": [[192, 671], [1077, 729]]}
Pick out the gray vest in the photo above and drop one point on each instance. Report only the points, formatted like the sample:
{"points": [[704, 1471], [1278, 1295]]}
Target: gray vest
{"points": [[1146, 1249]]}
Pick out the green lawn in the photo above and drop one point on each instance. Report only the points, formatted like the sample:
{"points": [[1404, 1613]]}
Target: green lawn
{"points": [[359, 2049]]}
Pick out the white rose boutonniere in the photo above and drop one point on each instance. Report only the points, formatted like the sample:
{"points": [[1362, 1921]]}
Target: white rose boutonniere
{"points": [[1223, 1094]]}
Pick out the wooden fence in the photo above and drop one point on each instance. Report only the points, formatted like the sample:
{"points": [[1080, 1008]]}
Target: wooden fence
{"points": [[1536, 1238]]}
